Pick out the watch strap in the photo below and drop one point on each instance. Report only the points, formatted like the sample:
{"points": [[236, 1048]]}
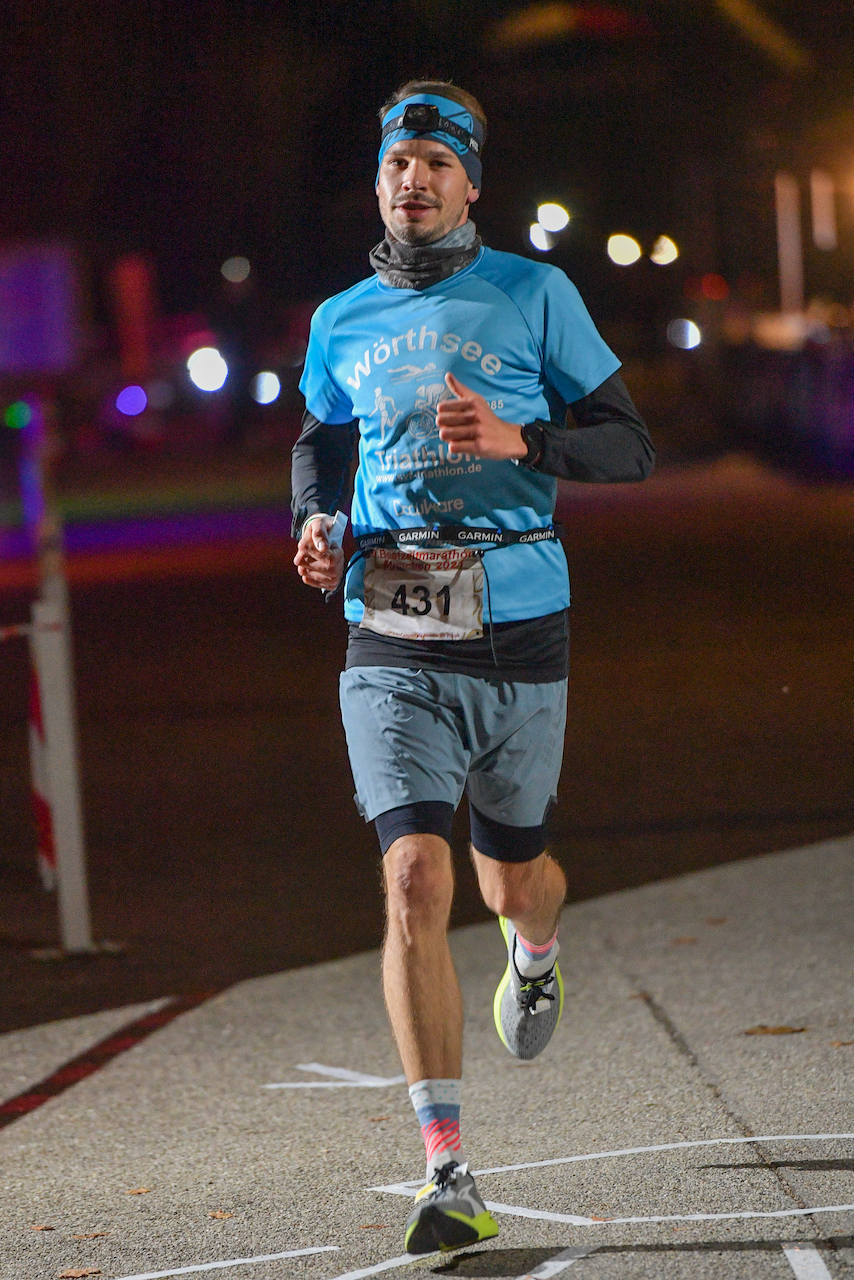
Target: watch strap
{"points": [[534, 437]]}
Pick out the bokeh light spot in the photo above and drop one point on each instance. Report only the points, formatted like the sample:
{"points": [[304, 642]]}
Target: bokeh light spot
{"points": [[553, 217], [131, 400], [236, 270], [624, 250], [208, 371], [684, 334], [18, 415], [161, 394], [664, 251], [265, 387], [540, 238], [714, 287]]}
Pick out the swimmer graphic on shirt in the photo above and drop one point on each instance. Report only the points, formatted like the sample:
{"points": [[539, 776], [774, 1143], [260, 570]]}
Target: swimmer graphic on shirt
{"points": [[407, 372]]}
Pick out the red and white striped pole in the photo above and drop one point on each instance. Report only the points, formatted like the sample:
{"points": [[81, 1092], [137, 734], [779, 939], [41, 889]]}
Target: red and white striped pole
{"points": [[39, 776], [54, 774], [53, 736], [45, 844], [52, 661]]}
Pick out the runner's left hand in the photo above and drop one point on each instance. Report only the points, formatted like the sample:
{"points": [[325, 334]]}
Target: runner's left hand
{"points": [[468, 425]]}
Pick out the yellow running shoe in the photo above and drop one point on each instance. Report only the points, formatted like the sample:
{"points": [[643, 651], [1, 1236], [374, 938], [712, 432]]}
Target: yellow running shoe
{"points": [[526, 1010], [448, 1213]]}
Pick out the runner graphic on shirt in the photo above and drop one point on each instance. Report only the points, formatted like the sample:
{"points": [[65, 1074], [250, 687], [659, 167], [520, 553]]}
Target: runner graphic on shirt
{"points": [[386, 419]]}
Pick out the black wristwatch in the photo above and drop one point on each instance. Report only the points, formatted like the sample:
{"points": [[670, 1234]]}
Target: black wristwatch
{"points": [[535, 438]]}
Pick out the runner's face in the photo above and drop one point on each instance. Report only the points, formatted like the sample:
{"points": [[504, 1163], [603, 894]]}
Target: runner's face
{"points": [[423, 190]]}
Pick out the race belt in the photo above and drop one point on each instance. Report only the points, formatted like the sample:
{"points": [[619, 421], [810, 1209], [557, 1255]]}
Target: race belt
{"points": [[455, 535]]}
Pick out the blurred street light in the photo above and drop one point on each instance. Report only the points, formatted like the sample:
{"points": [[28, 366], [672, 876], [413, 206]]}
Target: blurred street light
{"points": [[552, 217], [714, 287], [540, 238], [550, 20], [161, 394], [664, 251], [208, 371], [790, 253], [767, 35], [131, 401], [684, 334], [236, 270], [265, 387], [18, 415], [823, 200], [624, 250]]}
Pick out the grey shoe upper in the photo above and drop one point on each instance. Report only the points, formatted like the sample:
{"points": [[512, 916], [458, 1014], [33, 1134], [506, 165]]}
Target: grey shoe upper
{"points": [[530, 1007], [455, 1189]]}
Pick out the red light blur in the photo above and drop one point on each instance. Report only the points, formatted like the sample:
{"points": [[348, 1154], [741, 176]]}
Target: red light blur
{"points": [[714, 287]]}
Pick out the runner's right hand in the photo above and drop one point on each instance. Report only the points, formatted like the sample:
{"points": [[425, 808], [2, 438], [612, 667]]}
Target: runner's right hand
{"points": [[318, 564]]}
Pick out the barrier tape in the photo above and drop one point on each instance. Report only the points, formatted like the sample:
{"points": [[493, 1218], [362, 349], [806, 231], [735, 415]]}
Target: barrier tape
{"points": [[24, 629]]}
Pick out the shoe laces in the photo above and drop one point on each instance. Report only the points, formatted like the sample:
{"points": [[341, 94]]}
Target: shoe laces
{"points": [[447, 1173], [533, 990]]}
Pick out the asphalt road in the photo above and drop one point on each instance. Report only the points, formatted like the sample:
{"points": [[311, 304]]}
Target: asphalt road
{"points": [[176, 1154], [710, 719]]}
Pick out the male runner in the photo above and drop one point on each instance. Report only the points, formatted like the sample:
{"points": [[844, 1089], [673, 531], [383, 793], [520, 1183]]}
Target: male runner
{"points": [[455, 364]]}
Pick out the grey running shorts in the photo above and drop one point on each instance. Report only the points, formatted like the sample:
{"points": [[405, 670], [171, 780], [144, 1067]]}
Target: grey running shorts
{"points": [[427, 735]]}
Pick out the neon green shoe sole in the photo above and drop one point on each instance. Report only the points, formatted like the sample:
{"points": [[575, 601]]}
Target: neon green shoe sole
{"points": [[448, 1214], [526, 1011]]}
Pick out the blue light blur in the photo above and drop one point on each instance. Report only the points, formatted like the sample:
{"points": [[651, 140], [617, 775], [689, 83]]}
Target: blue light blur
{"points": [[131, 401]]}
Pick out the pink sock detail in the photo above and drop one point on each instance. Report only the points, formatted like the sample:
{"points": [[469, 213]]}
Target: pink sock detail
{"points": [[441, 1135], [531, 947]]}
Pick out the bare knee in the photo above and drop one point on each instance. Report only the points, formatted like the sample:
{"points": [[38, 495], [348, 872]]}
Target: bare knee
{"points": [[419, 881], [510, 889], [513, 901]]}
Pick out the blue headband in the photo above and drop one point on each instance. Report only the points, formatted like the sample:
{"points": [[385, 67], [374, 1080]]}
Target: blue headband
{"points": [[448, 123]]}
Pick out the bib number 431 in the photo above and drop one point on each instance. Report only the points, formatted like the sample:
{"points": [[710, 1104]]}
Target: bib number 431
{"points": [[417, 600], [424, 595]]}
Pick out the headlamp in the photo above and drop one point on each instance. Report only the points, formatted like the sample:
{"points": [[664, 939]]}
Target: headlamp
{"points": [[423, 117], [437, 117]]}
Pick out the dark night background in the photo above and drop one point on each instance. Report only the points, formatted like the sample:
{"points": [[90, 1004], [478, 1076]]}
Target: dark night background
{"points": [[194, 131], [711, 689]]}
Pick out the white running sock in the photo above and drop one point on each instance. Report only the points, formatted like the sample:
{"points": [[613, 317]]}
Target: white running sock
{"points": [[437, 1105], [533, 961]]}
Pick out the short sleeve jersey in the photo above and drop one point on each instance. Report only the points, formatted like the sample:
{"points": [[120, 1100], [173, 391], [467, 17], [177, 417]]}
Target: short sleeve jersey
{"points": [[513, 330]]}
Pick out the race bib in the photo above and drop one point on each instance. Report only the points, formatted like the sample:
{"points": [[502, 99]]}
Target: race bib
{"points": [[424, 595]]}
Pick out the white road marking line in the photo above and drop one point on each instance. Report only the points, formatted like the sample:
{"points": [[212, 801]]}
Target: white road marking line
{"points": [[665, 1146], [519, 1212], [409, 1188], [558, 1263], [343, 1079], [343, 1073], [806, 1262], [405, 1260], [577, 1220], [404, 1188], [327, 1084], [232, 1262]]}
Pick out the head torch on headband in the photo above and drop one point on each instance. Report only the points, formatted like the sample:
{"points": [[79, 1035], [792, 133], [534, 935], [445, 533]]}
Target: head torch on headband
{"points": [[427, 116]]}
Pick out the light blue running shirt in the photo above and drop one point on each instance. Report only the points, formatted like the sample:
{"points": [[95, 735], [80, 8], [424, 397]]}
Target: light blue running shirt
{"points": [[513, 330]]}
